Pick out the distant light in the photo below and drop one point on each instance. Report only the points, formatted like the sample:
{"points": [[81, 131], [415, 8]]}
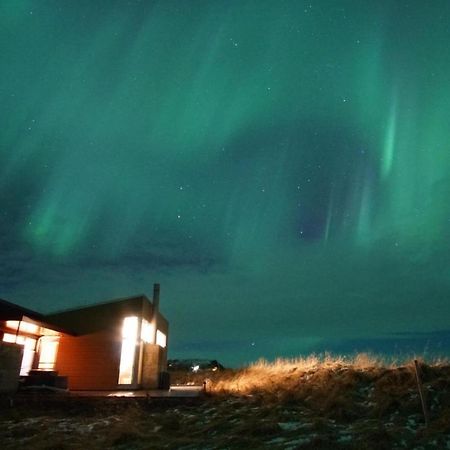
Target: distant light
{"points": [[195, 368]]}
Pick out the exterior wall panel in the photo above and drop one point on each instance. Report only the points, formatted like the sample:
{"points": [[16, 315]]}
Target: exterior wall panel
{"points": [[91, 362], [90, 344], [10, 361]]}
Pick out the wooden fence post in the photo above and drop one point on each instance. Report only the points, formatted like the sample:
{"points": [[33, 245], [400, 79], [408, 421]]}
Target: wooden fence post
{"points": [[421, 393]]}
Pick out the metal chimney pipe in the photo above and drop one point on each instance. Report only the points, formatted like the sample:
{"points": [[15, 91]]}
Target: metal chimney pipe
{"points": [[156, 297], [155, 310]]}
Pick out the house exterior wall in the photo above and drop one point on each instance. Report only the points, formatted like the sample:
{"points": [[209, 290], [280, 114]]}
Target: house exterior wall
{"points": [[91, 362], [90, 342], [163, 326], [153, 363], [154, 358], [10, 362]]}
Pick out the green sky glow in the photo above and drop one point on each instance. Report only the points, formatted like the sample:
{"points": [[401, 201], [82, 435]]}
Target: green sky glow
{"points": [[281, 167]]}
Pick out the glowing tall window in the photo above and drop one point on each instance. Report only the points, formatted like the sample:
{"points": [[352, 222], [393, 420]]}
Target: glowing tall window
{"points": [[28, 356], [128, 352]]}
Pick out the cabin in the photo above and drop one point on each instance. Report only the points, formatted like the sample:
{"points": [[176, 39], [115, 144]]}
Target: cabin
{"points": [[119, 344]]}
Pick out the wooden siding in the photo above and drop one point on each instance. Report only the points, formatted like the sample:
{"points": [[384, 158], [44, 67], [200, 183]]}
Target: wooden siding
{"points": [[91, 362]]}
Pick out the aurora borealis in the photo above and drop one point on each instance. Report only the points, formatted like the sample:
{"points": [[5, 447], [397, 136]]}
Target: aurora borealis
{"points": [[282, 168]]}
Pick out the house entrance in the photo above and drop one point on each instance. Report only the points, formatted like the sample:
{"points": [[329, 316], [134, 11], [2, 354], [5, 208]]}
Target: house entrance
{"points": [[128, 352]]}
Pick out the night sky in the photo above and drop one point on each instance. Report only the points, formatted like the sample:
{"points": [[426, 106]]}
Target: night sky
{"points": [[282, 168]]}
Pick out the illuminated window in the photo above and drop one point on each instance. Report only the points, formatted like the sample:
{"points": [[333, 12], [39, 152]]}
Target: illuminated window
{"points": [[11, 338], [12, 324], [147, 332], [161, 339], [127, 354], [28, 356], [25, 327], [48, 349]]}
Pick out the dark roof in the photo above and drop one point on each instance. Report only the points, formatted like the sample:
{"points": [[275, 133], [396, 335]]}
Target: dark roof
{"points": [[12, 311], [128, 299], [86, 319], [89, 319]]}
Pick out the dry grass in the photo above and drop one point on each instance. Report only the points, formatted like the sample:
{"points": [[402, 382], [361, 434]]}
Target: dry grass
{"points": [[286, 374], [341, 388], [319, 402]]}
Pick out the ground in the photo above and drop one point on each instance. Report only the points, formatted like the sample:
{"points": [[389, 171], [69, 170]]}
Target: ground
{"points": [[326, 407]]}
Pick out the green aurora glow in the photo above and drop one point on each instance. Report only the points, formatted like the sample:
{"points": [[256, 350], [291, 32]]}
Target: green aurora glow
{"points": [[281, 167]]}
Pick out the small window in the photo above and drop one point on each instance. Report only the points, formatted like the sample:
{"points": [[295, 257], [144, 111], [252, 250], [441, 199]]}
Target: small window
{"points": [[147, 332], [161, 339]]}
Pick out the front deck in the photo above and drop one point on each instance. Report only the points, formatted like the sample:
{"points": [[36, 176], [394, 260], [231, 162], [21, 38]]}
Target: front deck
{"points": [[185, 391]]}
